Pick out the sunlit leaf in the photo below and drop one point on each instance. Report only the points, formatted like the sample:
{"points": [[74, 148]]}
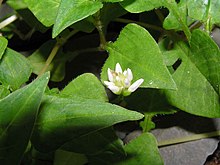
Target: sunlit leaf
{"points": [[86, 86], [71, 12], [45, 11], [136, 49]]}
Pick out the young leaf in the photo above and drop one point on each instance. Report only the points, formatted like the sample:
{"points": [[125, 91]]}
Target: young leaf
{"points": [[205, 54], [18, 113], [195, 94], [86, 86], [3, 45], [71, 12], [142, 55], [62, 120], [45, 11], [14, 69]]}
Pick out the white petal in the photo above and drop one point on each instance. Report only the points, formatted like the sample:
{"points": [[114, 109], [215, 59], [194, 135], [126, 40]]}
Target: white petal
{"points": [[135, 85], [125, 73], [127, 82], [118, 68], [107, 83], [130, 75], [110, 76], [114, 89]]}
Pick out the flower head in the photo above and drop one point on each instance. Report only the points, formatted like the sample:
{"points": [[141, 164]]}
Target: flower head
{"points": [[120, 82]]}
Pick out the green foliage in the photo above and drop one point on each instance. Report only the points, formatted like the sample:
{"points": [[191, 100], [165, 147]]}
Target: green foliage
{"points": [[142, 55], [62, 120], [14, 69], [94, 88], [72, 120], [18, 113], [3, 45]]}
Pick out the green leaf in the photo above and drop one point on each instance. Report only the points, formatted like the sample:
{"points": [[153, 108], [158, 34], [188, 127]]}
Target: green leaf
{"points": [[45, 11], [104, 140], [151, 102], [139, 6], [14, 69], [71, 12], [62, 120], [69, 158], [109, 12], [172, 22], [206, 10], [86, 86], [3, 45], [195, 94], [3, 91], [18, 113], [16, 4], [84, 25], [142, 150], [142, 55], [205, 54]]}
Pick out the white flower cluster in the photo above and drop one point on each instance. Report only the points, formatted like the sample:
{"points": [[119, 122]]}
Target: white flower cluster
{"points": [[120, 82]]}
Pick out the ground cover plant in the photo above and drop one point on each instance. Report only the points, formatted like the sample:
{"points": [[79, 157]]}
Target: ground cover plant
{"points": [[151, 58]]}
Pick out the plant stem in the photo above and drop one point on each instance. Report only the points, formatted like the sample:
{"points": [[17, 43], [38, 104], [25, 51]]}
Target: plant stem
{"points": [[147, 26], [188, 138], [50, 58], [7, 21], [98, 25], [60, 42]]}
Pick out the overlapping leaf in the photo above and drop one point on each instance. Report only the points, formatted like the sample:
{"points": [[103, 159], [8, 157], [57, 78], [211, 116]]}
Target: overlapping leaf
{"points": [[195, 94], [142, 150], [62, 120], [45, 11], [18, 113], [142, 55], [204, 10], [138, 6], [14, 69], [205, 54], [72, 11], [86, 86]]}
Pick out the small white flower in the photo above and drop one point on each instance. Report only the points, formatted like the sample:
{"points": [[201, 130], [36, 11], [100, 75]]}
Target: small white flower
{"points": [[120, 82]]}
